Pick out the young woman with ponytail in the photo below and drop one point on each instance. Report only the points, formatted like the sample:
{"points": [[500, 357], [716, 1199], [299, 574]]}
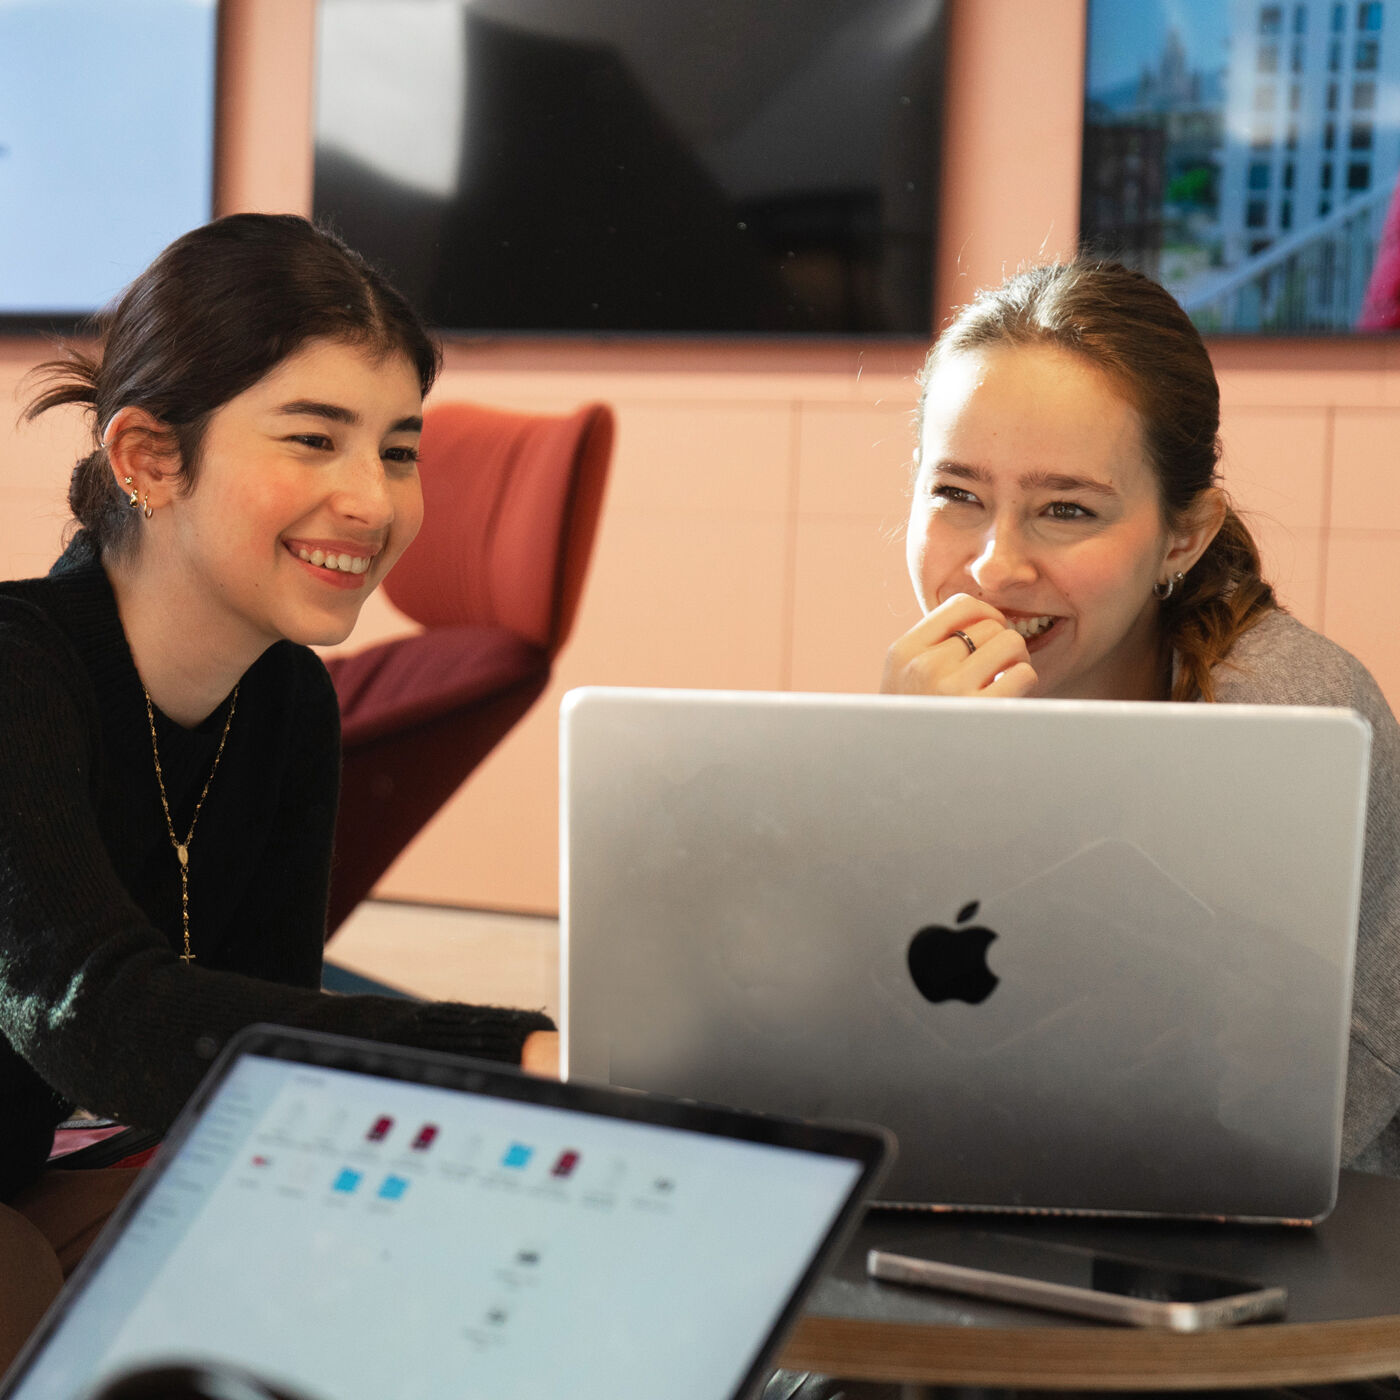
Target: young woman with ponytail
{"points": [[169, 744], [1068, 538]]}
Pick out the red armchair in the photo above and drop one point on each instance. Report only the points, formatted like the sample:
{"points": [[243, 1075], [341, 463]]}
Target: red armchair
{"points": [[511, 505]]}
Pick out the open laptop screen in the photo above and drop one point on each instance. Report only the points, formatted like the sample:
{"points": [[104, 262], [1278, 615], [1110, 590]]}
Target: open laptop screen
{"points": [[1111, 942], [346, 1233]]}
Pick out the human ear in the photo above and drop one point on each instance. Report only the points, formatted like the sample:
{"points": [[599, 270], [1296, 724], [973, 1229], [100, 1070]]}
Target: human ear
{"points": [[1200, 526], [143, 455]]}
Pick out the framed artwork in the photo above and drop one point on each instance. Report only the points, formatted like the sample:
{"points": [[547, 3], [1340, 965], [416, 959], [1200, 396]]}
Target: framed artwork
{"points": [[1246, 154], [638, 167], [106, 147]]}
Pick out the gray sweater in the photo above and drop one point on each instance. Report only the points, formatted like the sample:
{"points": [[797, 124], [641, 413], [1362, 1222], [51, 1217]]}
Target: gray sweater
{"points": [[1281, 662]]}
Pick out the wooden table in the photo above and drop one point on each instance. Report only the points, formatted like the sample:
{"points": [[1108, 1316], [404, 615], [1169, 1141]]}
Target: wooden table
{"points": [[1342, 1320]]}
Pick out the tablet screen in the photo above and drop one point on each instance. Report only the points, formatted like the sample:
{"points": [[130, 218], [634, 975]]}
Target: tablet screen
{"points": [[346, 1235]]}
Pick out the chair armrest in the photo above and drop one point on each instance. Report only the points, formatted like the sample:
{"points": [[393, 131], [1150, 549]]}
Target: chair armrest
{"points": [[410, 681]]}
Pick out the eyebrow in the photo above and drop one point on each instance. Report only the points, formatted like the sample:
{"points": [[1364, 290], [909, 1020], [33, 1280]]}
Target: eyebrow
{"points": [[334, 413], [1032, 481]]}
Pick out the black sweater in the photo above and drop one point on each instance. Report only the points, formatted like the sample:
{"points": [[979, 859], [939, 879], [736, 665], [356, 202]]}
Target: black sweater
{"points": [[96, 1008]]}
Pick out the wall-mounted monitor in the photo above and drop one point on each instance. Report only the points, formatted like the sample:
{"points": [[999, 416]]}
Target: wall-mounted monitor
{"points": [[106, 146], [1246, 153], [638, 166]]}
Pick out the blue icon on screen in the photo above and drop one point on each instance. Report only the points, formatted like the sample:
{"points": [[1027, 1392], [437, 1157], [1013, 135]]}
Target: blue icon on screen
{"points": [[393, 1188], [517, 1155], [347, 1180]]}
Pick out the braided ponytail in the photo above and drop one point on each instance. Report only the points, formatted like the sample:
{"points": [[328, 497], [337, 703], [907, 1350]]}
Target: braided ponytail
{"points": [[1217, 602]]}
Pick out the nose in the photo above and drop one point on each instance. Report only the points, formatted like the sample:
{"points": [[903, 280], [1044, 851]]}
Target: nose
{"points": [[1003, 561], [363, 494]]}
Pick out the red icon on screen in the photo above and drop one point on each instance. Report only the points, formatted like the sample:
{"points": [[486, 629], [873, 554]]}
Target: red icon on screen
{"points": [[564, 1164], [380, 1130], [425, 1137]]}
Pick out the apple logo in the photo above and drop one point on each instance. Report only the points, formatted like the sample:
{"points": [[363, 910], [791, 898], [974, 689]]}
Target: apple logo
{"points": [[950, 964]]}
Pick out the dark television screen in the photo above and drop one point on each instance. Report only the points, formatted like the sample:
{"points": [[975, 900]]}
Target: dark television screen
{"points": [[106, 146], [635, 166], [1247, 155]]}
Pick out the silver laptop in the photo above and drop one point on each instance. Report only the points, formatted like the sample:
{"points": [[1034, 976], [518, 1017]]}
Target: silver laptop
{"points": [[1079, 956], [344, 1220]]}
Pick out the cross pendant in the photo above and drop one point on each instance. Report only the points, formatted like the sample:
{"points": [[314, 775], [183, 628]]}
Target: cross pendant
{"points": [[187, 958]]}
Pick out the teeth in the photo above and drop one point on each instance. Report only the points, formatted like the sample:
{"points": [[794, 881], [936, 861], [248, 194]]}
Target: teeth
{"points": [[337, 563], [1030, 627]]}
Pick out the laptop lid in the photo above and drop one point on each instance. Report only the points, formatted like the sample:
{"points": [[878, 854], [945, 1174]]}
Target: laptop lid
{"points": [[351, 1220], [1077, 955]]}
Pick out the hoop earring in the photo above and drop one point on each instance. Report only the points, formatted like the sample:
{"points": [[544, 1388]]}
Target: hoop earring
{"points": [[1163, 591], [146, 506], [135, 495]]}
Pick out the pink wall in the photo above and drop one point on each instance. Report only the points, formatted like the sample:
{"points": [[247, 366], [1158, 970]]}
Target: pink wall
{"points": [[751, 535]]}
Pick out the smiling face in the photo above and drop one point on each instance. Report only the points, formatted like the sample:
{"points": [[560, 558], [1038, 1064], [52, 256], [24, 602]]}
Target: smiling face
{"points": [[1035, 493], [306, 494]]}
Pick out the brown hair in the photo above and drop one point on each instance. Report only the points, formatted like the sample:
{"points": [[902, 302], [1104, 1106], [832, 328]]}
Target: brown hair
{"points": [[218, 309], [1131, 329]]}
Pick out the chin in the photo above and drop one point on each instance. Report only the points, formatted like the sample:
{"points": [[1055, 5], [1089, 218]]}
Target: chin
{"points": [[1050, 687], [323, 632]]}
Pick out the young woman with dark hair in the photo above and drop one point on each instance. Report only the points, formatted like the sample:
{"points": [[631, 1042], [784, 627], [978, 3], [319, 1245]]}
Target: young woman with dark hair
{"points": [[1068, 538], [171, 745]]}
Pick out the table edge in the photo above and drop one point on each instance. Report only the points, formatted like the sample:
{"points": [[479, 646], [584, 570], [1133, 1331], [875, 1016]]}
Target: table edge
{"points": [[1106, 1358]]}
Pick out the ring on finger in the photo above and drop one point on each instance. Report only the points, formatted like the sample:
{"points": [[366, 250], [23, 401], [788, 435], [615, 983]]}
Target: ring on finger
{"points": [[965, 639]]}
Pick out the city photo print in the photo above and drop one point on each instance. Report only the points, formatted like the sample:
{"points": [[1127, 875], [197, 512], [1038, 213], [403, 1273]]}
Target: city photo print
{"points": [[1247, 155]]}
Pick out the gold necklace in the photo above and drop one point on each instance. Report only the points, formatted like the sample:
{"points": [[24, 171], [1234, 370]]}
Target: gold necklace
{"points": [[182, 848]]}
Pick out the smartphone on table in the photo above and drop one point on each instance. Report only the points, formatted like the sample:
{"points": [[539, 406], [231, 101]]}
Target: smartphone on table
{"points": [[1085, 1282]]}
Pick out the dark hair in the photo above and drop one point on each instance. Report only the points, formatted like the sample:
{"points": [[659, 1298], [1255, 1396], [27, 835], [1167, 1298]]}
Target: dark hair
{"points": [[1132, 330], [218, 309]]}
